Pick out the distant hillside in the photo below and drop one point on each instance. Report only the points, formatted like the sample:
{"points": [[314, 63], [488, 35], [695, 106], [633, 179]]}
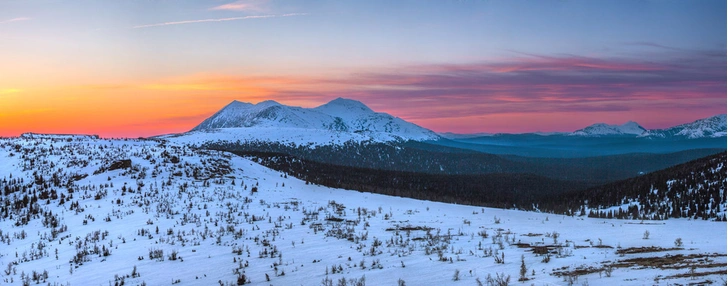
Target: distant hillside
{"points": [[419, 157], [696, 189], [501, 190]]}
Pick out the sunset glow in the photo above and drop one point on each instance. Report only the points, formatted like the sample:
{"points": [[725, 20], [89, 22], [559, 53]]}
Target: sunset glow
{"points": [[144, 68]]}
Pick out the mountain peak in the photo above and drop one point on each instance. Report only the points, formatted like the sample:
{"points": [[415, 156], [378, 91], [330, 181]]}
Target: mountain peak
{"points": [[344, 105], [602, 129], [339, 115], [714, 126], [345, 101], [236, 103], [267, 103], [711, 127]]}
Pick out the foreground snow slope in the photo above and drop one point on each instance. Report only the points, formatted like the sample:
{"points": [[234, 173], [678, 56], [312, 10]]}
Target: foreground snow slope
{"points": [[293, 233]]}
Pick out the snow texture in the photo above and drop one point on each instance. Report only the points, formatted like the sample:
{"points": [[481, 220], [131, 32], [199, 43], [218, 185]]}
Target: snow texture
{"points": [[201, 205]]}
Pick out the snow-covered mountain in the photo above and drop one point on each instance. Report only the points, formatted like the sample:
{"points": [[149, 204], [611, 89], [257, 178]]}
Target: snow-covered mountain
{"points": [[264, 114], [337, 121], [603, 129], [714, 126], [711, 127]]}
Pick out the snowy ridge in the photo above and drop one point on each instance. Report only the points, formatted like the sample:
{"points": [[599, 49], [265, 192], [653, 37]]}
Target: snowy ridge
{"points": [[339, 119], [711, 127], [714, 126], [264, 114], [603, 129]]}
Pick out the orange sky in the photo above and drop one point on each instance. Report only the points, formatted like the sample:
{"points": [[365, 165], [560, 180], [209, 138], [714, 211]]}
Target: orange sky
{"points": [[163, 106], [129, 109], [444, 99]]}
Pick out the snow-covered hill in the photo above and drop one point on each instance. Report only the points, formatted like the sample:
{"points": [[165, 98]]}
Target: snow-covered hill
{"points": [[711, 127], [603, 129], [340, 119], [714, 126], [85, 211]]}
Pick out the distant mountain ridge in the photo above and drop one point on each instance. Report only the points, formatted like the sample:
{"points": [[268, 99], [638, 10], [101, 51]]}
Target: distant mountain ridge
{"points": [[601, 129], [340, 118], [714, 126], [344, 120], [711, 127]]}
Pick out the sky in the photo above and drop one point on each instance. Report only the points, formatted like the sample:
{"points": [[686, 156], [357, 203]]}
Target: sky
{"points": [[142, 68]]}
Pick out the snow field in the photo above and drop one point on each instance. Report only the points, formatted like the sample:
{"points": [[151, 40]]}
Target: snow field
{"points": [[295, 232]]}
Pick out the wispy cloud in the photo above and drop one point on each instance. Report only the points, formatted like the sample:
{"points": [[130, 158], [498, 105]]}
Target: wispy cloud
{"points": [[683, 83], [221, 82], [519, 94], [242, 6], [15, 20], [217, 20], [534, 84]]}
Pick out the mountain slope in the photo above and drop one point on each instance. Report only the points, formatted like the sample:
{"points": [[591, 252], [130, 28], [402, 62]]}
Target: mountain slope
{"points": [[264, 114], [714, 126], [696, 189], [711, 127], [602, 129], [346, 118]]}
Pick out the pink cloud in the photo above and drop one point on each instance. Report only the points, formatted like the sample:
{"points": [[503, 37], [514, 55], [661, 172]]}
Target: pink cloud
{"points": [[217, 20], [257, 6], [588, 89]]}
